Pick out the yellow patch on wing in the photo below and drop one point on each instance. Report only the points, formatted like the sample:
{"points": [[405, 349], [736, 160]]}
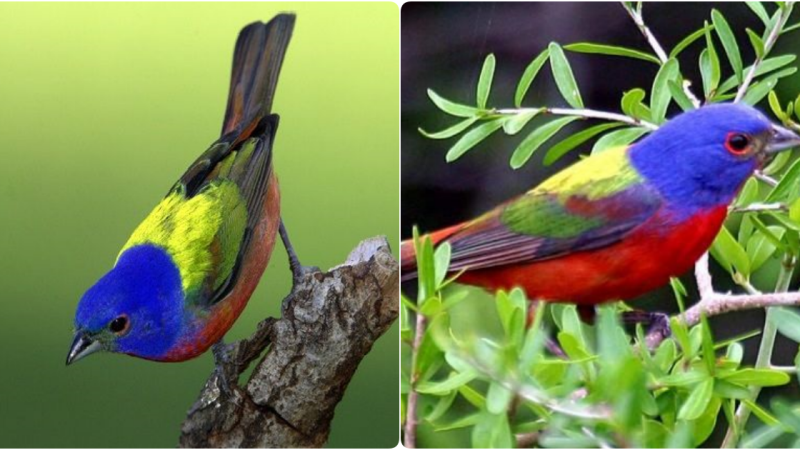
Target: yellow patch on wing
{"points": [[611, 165], [186, 229]]}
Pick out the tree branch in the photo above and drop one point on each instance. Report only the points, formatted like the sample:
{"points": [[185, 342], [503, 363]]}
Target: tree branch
{"points": [[328, 325], [715, 303], [585, 113]]}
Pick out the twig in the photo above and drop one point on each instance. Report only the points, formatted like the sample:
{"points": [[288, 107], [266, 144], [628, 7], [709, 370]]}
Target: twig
{"points": [[410, 431], [638, 19], [761, 176], [585, 113], [759, 207], [715, 303], [785, 12], [327, 325]]}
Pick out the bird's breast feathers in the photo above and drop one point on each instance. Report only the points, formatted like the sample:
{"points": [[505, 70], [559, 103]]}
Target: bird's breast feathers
{"points": [[201, 234]]}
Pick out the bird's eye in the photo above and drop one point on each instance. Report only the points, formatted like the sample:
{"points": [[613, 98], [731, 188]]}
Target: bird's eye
{"points": [[737, 143], [119, 325]]}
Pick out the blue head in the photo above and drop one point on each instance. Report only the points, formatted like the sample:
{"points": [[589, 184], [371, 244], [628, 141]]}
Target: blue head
{"points": [[136, 308], [701, 158]]}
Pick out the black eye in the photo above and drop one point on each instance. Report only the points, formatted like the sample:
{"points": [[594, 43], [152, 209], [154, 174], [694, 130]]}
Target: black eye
{"points": [[737, 143], [119, 324]]}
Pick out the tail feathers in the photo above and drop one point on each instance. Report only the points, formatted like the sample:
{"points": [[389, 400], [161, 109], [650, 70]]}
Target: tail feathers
{"points": [[257, 61], [408, 255]]}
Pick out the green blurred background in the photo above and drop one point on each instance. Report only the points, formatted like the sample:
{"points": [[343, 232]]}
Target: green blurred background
{"points": [[102, 108]]}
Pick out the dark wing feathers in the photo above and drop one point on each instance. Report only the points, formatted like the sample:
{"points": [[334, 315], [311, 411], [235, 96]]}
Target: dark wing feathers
{"points": [[491, 242]]}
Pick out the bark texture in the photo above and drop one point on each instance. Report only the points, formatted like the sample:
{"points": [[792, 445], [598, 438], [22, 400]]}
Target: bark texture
{"points": [[328, 324]]}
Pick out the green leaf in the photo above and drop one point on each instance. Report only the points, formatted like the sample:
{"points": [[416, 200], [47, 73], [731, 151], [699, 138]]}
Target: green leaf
{"points": [[536, 138], [698, 399], [613, 50], [557, 151], [660, 95], [441, 261], [492, 431], [727, 251], [461, 422], [787, 322], [760, 90], [758, 9], [498, 398], [756, 377], [761, 413], [516, 123], [760, 248], [565, 80], [682, 379], [729, 44], [679, 95], [441, 406], [726, 389], [709, 357], [775, 105], [786, 186], [756, 42], [452, 108], [473, 138], [709, 67], [689, 40], [528, 76], [749, 192], [450, 131], [485, 81], [766, 66], [632, 104], [618, 138]]}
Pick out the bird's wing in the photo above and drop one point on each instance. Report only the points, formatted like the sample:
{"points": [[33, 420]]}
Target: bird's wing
{"points": [[205, 221], [592, 204]]}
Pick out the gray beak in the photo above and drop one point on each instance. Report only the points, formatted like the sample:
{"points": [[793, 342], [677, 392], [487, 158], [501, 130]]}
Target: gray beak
{"points": [[781, 139], [82, 346]]}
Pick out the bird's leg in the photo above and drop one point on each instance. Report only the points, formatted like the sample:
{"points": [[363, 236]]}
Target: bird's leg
{"points": [[224, 367], [658, 322], [298, 270]]}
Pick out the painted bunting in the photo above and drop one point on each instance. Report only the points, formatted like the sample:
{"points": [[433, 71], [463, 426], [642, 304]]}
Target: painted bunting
{"points": [[621, 222], [190, 267]]}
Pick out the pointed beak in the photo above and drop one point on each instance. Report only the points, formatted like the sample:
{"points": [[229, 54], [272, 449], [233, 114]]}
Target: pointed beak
{"points": [[82, 346], [781, 139]]}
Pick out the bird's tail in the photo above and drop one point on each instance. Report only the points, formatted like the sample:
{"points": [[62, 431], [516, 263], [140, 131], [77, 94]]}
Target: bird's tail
{"points": [[257, 62], [408, 255]]}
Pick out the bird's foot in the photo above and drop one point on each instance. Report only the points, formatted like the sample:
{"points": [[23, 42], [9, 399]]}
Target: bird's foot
{"points": [[299, 271], [658, 322], [225, 369]]}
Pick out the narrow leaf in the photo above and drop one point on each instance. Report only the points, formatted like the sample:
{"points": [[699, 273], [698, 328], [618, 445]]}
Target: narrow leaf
{"points": [[679, 95], [613, 50], [768, 65], [758, 9], [472, 138], [660, 95], [565, 80], [452, 108], [729, 44], [688, 40], [757, 377], [696, 403], [727, 251], [756, 42], [557, 151], [516, 123], [485, 81], [787, 322], [451, 131], [618, 138], [528, 76], [536, 138]]}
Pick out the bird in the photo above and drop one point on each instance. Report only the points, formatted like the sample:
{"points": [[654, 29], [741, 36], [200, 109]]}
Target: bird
{"points": [[621, 222], [188, 270]]}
